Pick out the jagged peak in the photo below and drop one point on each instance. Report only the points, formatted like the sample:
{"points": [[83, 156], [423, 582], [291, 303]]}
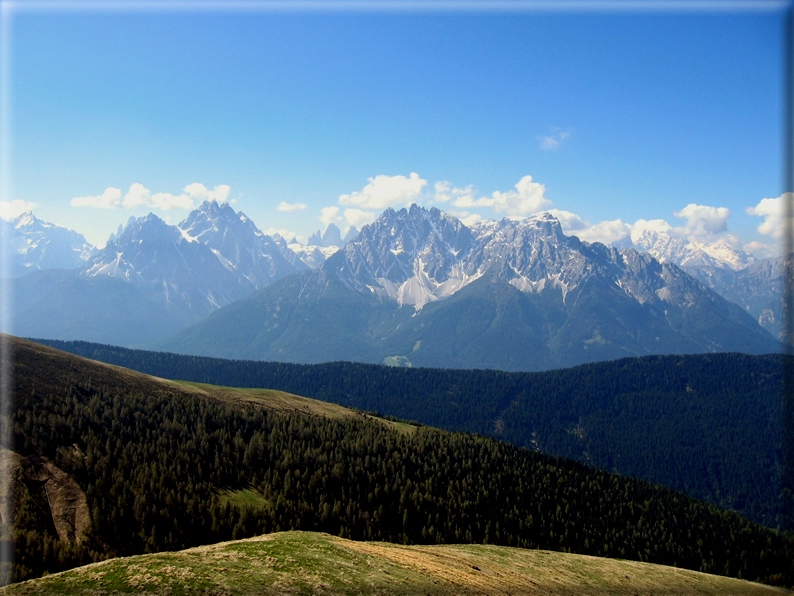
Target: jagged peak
{"points": [[135, 226], [212, 209], [25, 219]]}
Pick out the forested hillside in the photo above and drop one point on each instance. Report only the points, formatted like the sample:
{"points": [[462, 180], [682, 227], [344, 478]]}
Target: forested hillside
{"points": [[165, 467], [706, 424]]}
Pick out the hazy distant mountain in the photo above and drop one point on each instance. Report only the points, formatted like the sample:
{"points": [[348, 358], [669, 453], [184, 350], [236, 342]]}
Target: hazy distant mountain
{"points": [[33, 245], [332, 236], [758, 288], [170, 266], [322, 245], [754, 284], [687, 253], [312, 256], [177, 274], [61, 304], [417, 286], [239, 245]]}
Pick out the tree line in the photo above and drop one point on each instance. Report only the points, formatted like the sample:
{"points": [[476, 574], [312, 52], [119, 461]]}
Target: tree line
{"points": [[162, 470], [706, 424]]}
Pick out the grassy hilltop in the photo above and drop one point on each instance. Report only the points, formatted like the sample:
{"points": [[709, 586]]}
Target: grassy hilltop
{"points": [[315, 563]]}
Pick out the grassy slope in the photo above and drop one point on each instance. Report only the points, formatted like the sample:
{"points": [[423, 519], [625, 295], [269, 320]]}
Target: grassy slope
{"points": [[312, 563], [37, 358], [287, 403]]}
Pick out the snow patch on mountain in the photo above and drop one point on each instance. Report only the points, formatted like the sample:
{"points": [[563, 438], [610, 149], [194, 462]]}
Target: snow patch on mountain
{"points": [[31, 244], [417, 256], [313, 256], [689, 253]]}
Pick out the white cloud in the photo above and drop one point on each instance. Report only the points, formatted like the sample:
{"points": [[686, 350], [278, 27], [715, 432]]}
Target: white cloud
{"points": [[287, 235], [290, 207], [469, 219], [446, 192], [358, 218], [329, 215], [528, 198], [386, 191], [761, 250], [659, 226], [703, 220], [569, 221], [11, 209], [350, 217], [200, 192], [773, 211], [165, 201], [552, 142], [469, 202], [606, 232], [140, 196], [110, 199], [137, 196]]}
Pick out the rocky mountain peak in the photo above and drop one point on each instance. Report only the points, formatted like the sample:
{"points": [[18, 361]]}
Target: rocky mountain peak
{"points": [[689, 253], [32, 244], [26, 219]]}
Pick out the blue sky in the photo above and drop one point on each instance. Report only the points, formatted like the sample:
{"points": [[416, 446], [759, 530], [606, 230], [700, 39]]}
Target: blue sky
{"points": [[306, 117]]}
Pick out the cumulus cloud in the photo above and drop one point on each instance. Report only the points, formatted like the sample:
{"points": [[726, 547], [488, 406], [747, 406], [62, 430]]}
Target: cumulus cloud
{"points": [[605, 232], [773, 212], [290, 207], [110, 199], [469, 219], [386, 191], [330, 215], [569, 221], [358, 218], [658, 226], [348, 217], [137, 196], [762, 250], [703, 220], [528, 198], [446, 191], [140, 196], [553, 141], [165, 201], [15, 208], [287, 235], [200, 192]]}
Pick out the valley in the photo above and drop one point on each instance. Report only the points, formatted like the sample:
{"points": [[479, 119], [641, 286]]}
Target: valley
{"points": [[705, 424], [379, 297], [166, 466]]}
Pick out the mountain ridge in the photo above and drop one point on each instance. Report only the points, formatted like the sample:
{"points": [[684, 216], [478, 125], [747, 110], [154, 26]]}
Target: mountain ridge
{"points": [[706, 424], [427, 289]]}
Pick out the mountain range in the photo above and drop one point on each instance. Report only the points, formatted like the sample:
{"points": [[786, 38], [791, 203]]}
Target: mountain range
{"points": [[152, 279], [419, 287], [754, 284], [416, 286], [30, 244]]}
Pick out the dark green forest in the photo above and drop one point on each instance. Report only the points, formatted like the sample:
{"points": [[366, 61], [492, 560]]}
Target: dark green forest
{"points": [[158, 465], [705, 424]]}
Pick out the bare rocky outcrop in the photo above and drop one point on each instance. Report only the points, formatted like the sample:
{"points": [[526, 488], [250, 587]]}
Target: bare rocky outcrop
{"points": [[67, 501]]}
